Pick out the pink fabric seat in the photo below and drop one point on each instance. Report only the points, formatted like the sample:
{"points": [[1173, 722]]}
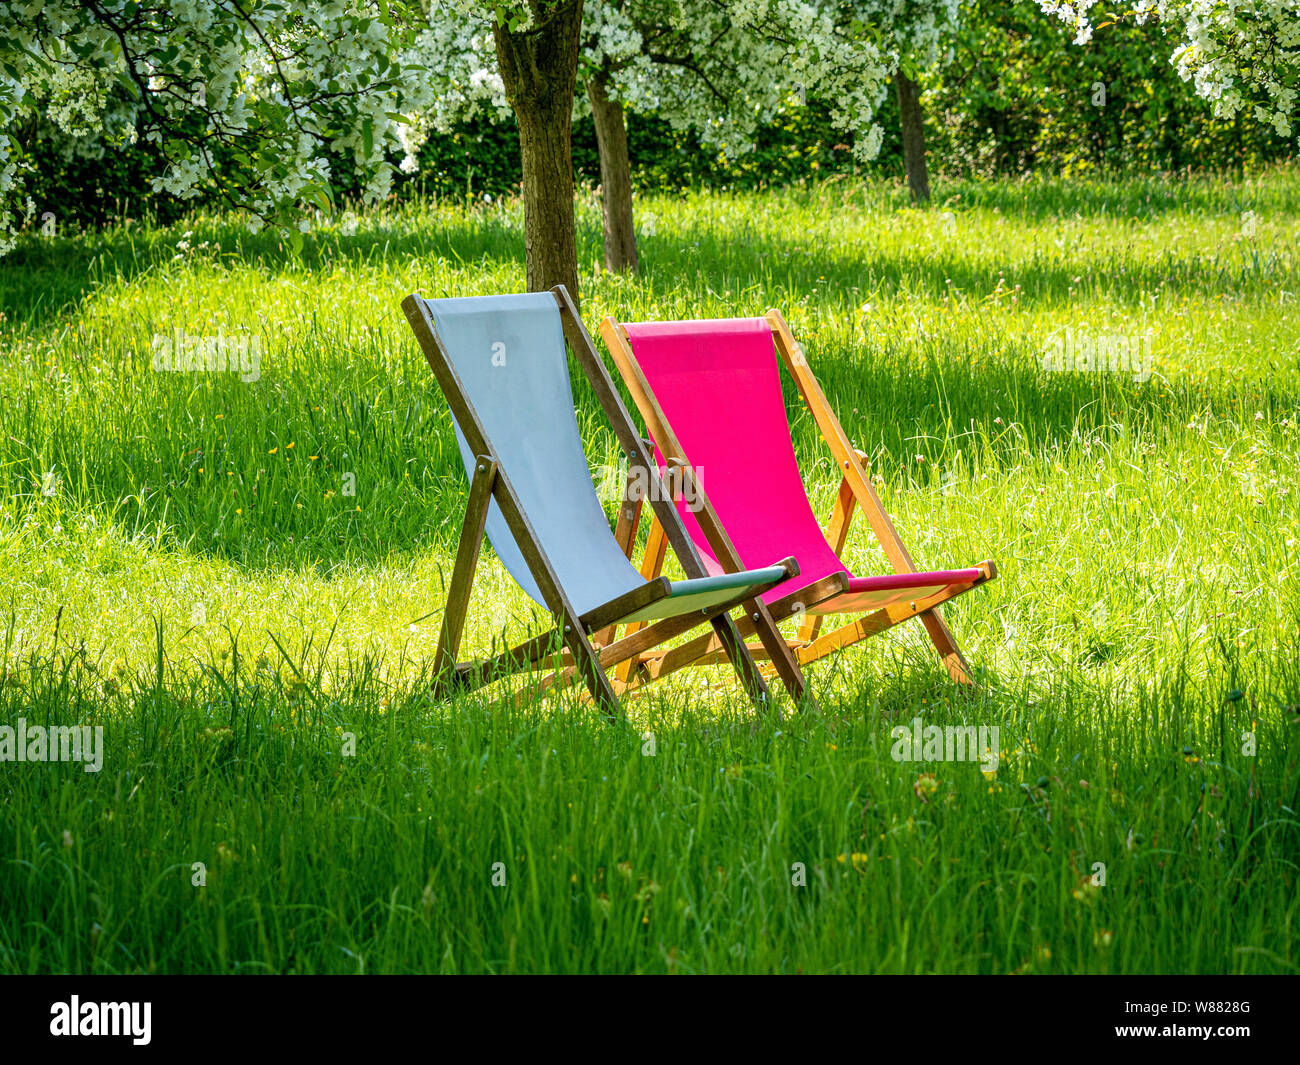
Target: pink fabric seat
{"points": [[718, 384]]}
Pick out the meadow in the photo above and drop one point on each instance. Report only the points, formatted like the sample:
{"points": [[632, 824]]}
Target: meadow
{"points": [[241, 582]]}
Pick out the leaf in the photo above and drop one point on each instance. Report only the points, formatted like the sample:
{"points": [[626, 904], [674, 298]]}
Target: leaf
{"points": [[320, 196]]}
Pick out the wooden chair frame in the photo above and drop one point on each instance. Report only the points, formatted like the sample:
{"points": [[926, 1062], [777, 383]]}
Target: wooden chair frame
{"points": [[585, 644], [855, 493]]}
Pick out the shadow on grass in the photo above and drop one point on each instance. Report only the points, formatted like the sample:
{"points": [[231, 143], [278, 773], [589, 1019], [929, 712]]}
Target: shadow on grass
{"points": [[412, 486], [42, 280]]}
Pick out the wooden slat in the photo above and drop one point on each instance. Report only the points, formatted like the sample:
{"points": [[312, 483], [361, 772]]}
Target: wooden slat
{"points": [[518, 659], [625, 527], [816, 594], [661, 631], [880, 620], [629, 603], [652, 564], [703, 650], [629, 514]]}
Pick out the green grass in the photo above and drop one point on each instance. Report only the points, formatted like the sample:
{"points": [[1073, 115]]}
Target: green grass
{"points": [[180, 564]]}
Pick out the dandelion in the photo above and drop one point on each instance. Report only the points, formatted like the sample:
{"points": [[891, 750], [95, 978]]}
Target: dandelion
{"points": [[926, 785]]}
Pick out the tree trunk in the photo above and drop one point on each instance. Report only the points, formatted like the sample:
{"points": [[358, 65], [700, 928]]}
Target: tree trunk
{"points": [[912, 122], [539, 68], [615, 177]]}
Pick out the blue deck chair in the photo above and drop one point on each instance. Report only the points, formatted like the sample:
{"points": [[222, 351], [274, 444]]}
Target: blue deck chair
{"points": [[501, 363]]}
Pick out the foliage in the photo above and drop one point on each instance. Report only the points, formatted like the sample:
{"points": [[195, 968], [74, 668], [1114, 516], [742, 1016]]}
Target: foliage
{"points": [[1020, 96], [1242, 55]]}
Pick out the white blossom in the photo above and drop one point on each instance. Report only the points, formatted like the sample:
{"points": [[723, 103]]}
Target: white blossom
{"points": [[1238, 54]]}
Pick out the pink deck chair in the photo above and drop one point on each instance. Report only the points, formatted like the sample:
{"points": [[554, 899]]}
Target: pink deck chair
{"points": [[710, 394]]}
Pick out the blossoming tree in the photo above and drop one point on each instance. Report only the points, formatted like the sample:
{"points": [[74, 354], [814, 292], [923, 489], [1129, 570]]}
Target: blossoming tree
{"points": [[245, 99], [721, 69], [251, 99]]}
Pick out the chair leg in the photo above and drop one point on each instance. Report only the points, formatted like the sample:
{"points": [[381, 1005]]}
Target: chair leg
{"points": [[778, 650], [734, 646], [462, 574], [588, 664], [946, 644]]}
